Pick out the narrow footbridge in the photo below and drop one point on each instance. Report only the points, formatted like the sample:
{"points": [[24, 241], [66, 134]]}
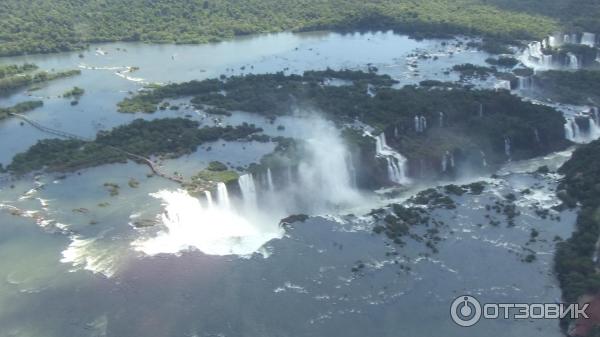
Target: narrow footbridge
{"points": [[155, 167]]}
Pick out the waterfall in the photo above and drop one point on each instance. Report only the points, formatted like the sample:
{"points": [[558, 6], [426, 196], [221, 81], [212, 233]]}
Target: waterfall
{"points": [[483, 159], [223, 196], [552, 42], [573, 61], [351, 170], [525, 82], [588, 39], [447, 161], [248, 188], [594, 129], [595, 115], [536, 135], [480, 110], [270, 180], [441, 119], [396, 133], [502, 84], [396, 163], [209, 199], [290, 175], [507, 147], [572, 131], [420, 123]]}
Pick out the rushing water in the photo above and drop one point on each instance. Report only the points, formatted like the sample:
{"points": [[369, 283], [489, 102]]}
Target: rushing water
{"points": [[155, 261]]}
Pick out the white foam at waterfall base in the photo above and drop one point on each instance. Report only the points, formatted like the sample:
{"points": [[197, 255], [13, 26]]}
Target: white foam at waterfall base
{"points": [[242, 225], [215, 230]]}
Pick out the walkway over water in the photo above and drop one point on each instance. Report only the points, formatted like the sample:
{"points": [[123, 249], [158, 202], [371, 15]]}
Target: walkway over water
{"points": [[154, 166]]}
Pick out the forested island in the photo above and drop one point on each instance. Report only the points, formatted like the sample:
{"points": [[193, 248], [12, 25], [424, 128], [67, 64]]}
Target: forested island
{"points": [[471, 125], [54, 26], [14, 77], [171, 137]]}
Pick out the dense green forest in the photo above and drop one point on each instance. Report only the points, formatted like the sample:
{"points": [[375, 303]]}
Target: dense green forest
{"points": [[14, 77], [169, 136], [20, 108], [473, 120], [41, 26], [579, 87], [574, 263]]}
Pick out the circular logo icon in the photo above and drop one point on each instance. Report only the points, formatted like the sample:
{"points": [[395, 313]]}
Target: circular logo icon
{"points": [[465, 311]]}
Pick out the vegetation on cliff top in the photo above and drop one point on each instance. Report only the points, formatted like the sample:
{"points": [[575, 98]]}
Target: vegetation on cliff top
{"points": [[574, 264], [579, 87]]}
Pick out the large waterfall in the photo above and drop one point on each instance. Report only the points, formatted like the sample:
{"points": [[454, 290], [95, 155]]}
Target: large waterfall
{"points": [[590, 121], [507, 147], [240, 224], [270, 180], [223, 195], [396, 163], [248, 189], [588, 39]]}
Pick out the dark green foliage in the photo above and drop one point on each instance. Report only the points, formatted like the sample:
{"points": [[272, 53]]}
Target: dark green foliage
{"points": [[577, 87], [173, 137], [573, 261], [503, 61], [276, 94], [469, 70], [216, 166], [58, 25], [76, 92], [20, 108], [13, 77]]}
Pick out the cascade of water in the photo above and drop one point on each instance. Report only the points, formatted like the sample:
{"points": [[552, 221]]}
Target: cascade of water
{"points": [[396, 133], [290, 175], [552, 42], [536, 135], [209, 199], [351, 169], [420, 123], [588, 39], [525, 82], [503, 84], [547, 60], [507, 147], [595, 115], [483, 159], [444, 164], [441, 119], [248, 188], [573, 61], [223, 195], [270, 180], [447, 161], [567, 39], [572, 131], [480, 110], [396, 163], [594, 129]]}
